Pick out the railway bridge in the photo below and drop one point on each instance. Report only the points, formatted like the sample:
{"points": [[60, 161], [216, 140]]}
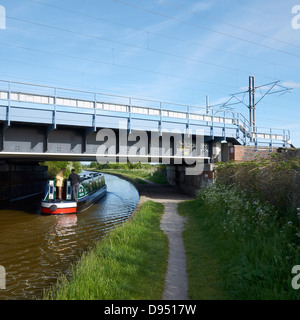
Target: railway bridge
{"points": [[39, 123]]}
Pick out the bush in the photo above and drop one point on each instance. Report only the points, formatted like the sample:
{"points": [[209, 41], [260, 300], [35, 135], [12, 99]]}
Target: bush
{"points": [[55, 166], [276, 180], [255, 245]]}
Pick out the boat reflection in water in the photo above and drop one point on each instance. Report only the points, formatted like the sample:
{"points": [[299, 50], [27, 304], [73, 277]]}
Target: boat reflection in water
{"points": [[66, 222], [35, 249]]}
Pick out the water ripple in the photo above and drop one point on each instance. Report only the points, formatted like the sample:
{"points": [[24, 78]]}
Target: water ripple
{"points": [[36, 249]]}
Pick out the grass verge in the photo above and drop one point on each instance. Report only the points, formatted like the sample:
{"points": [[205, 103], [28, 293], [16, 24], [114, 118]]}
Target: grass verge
{"points": [[203, 266], [129, 264], [137, 173], [238, 247], [133, 175]]}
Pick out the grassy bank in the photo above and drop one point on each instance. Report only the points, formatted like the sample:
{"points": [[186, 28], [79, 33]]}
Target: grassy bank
{"points": [[138, 175], [238, 247], [130, 263], [137, 172]]}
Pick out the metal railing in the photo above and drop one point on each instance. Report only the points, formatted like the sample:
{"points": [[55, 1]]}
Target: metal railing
{"points": [[29, 93]]}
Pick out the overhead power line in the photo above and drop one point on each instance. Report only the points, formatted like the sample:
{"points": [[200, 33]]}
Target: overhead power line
{"points": [[147, 33], [206, 28], [206, 63], [252, 104], [115, 64], [226, 23]]}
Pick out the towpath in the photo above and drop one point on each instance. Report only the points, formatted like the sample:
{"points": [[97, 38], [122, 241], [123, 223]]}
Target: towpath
{"points": [[176, 283]]}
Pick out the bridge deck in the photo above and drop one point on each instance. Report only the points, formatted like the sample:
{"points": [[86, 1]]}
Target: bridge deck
{"points": [[30, 103]]}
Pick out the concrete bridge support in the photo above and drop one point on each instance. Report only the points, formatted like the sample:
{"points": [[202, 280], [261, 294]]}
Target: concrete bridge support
{"points": [[176, 176]]}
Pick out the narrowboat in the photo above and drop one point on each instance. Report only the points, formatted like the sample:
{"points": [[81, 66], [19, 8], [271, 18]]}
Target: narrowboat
{"points": [[92, 188]]}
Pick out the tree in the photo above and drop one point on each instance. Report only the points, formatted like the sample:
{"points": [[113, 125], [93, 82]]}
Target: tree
{"points": [[55, 166]]}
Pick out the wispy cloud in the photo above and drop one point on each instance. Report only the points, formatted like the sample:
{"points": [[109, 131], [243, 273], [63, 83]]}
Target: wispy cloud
{"points": [[202, 6], [291, 84]]}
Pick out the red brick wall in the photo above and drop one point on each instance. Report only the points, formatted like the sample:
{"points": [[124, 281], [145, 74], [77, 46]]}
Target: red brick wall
{"points": [[247, 153], [207, 174]]}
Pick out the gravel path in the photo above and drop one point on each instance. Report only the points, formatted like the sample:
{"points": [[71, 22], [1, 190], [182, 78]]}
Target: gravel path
{"points": [[176, 283]]}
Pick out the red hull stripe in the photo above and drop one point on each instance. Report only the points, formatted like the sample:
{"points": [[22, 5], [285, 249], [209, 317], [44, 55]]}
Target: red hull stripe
{"points": [[59, 211]]}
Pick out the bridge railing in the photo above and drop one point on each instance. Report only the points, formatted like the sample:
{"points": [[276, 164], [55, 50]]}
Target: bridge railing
{"points": [[164, 111]]}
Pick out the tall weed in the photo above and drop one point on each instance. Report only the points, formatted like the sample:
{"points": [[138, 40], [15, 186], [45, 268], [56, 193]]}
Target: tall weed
{"points": [[257, 245]]}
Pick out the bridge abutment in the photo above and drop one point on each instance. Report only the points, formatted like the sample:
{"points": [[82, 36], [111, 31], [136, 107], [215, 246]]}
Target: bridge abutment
{"points": [[176, 176], [21, 179]]}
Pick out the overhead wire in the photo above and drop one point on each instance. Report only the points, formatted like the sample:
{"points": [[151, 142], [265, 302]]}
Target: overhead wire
{"points": [[126, 44], [205, 28], [133, 46], [206, 63], [148, 32], [114, 64], [226, 23], [83, 73]]}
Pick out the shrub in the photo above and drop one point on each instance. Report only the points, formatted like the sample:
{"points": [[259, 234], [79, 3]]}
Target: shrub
{"points": [[255, 244], [276, 180]]}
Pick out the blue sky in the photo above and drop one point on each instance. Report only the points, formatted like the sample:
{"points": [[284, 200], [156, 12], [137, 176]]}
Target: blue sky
{"points": [[166, 50]]}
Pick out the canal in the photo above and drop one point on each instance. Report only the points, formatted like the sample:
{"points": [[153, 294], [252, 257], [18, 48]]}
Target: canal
{"points": [[35, 249]]}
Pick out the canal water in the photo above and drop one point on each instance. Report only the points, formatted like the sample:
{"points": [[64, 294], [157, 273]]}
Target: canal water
{"points": [[35, 249]]}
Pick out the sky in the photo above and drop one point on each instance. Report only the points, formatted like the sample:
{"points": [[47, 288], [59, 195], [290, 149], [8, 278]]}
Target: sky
{"points": [[177, 51]]}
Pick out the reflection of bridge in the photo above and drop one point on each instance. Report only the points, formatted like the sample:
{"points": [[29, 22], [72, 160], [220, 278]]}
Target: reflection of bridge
{"points": [[43, 123]]}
